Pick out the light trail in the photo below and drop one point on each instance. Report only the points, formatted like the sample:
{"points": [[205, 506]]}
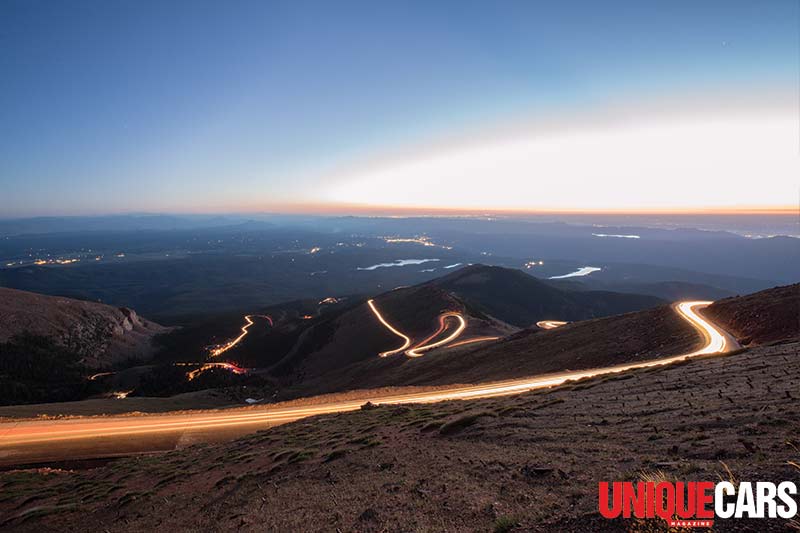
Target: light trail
{"points": [[550, 324], [716, 340], [473, 340], [94, 377], [245, 329], [207, 366], [16, 436], [406, 340], [421, 348]]}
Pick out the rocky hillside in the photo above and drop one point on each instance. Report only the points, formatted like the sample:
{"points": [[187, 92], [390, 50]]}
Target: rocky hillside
{"points": [[101, 334], [760, 318]]}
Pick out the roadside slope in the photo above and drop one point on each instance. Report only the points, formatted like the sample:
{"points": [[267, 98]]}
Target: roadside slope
{"points": [[762, 317], [532, 460]]}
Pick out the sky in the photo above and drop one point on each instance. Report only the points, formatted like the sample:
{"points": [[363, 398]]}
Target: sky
{"points": [[116, 106]]}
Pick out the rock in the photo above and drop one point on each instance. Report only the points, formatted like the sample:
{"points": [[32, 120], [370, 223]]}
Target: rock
{"points": [[536, 471], [369, 515]]}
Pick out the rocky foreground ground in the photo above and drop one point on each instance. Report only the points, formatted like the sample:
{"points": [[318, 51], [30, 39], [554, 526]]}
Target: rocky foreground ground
{"points": [[523, 463]]}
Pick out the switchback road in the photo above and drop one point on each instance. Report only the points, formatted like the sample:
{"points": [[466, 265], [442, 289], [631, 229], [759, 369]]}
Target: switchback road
{"points": [[92, 437]]}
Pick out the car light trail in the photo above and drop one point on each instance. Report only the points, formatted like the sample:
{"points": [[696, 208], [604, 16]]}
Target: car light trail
{"points": [[406, 340], [550, 324], [473, 341], [245, 329], [421, 348], [716, 340], [94, 377], [208, 366], [425, 345], [83, 432]]}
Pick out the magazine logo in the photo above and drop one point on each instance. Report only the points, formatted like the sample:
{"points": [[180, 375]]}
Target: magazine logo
{"points": [[697, 503]]}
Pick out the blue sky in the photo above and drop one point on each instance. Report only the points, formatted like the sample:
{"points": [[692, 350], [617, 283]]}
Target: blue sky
{"points": [[120, 106]]}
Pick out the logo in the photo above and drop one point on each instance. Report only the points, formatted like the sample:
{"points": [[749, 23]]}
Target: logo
{"points": [[697, 503]]}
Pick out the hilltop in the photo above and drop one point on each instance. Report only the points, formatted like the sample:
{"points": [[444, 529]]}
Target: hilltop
{"points": [[520, 299]]}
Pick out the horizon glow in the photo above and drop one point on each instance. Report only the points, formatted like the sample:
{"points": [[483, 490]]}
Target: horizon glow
{"points": [[665, 161]]}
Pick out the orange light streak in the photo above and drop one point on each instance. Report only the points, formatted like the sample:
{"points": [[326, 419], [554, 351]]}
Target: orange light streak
{"points": [[550, 324], [406, 339], [473, 340], [421, 348], [227, 346]]}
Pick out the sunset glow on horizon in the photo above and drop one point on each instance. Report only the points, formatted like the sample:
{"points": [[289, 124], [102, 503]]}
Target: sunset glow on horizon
{"points": [[364, 108], [668, 161]]}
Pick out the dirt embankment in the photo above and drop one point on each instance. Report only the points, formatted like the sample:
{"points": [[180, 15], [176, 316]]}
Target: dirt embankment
{"points": [[760, 318], [523, 463]]}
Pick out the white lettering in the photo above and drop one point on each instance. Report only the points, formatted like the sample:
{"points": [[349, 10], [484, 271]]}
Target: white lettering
{"points": [[721, 509], [745, 503], [765, 495], [785, 490]]}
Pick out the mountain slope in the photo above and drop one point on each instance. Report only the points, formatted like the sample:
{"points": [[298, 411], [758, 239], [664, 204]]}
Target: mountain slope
{"points": [[532, 460], [520, 299], [637, 336], [670, 291], [101, 334], [343, 351], [356, 334], [760, 318]]}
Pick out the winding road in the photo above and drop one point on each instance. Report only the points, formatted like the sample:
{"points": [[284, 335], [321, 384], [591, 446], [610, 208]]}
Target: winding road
{"points": [[219, 350], [208, 366], [428, 344], [379, 316], [36, 441]]}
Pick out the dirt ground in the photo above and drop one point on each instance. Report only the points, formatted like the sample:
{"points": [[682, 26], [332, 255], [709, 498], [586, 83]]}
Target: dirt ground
{"points": [[523, 463]]}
